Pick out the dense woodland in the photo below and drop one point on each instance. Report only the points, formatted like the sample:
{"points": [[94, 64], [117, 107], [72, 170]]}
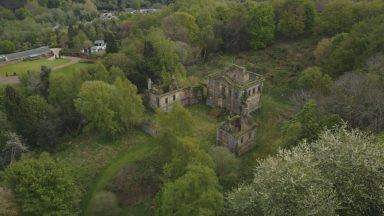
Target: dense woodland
{"points": [[320, 135]]}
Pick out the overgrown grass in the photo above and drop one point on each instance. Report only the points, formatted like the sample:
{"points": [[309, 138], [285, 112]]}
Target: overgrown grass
{"points": [[96, 161], [270, 119], [205, 124], [134, 153], [93, 160], [21, 68]]}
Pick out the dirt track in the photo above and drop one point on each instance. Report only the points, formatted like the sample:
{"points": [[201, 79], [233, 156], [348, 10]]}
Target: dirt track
{"points": [[9, 80]]}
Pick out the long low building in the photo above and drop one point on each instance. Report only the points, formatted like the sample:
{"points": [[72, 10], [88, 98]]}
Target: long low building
{"points": [[33, 53]]}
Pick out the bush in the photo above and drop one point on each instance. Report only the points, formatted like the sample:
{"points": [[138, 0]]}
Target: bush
{"points": [[313, 79], [6, 46]]}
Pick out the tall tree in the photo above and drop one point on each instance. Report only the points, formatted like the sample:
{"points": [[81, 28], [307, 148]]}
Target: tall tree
{"points": [[195, 193], [185, 152], [227, 167], [14, 4], [337, 17], [287, 184], [338, 174], [181, 26], [13, 149], [353, 161], [110, 109], [261, 26], [95, 103], [294, 17], [14, 104], [131, 108], [110, 39], [178, 122], [42, 186], [44, 81], [6, 46]]}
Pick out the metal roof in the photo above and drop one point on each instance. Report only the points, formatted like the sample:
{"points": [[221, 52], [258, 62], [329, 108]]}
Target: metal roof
{"points": [[25, 54]]}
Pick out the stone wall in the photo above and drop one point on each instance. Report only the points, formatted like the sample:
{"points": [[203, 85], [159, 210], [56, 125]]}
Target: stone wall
{"points": [[186, 96]]}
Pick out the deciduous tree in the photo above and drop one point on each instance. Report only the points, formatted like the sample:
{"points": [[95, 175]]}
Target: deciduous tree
{"points": [[290, 183], [195, 193], [226, 166], [294, 17], [337, 17], [6, 46], [110, 109], [261, 26], [42, 186], [353, 162]]}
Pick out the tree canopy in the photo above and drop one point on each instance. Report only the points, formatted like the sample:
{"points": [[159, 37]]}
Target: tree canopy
{"points": [[42, 186]]}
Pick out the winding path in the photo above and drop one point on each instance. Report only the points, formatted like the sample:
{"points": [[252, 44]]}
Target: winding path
{"points": [[135, 153]]}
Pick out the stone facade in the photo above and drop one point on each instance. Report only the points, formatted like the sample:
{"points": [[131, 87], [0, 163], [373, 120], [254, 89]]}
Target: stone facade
{"points": [[158, 98], [235, 88], [237, 133]]}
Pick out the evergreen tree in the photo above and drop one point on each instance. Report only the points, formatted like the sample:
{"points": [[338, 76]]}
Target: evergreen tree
{"points": [[110, 39]]}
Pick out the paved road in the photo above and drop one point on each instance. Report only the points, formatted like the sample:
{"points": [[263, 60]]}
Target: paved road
{"points": [[10, 80]]}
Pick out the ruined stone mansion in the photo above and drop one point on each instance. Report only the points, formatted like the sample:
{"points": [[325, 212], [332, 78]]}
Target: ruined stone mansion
{"points": [[235, 89], [164, 97], [237, 133]]}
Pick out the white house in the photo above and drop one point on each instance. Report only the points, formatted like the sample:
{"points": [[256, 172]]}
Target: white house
{"points": [[98, 46]]}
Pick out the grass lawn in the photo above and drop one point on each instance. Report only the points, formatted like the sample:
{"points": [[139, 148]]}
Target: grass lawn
{"points": [[23, 66], [67, 71]]}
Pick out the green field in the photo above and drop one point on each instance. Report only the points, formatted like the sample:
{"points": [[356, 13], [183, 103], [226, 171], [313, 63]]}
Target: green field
{"points": [[22, 67], [75, 68]]}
